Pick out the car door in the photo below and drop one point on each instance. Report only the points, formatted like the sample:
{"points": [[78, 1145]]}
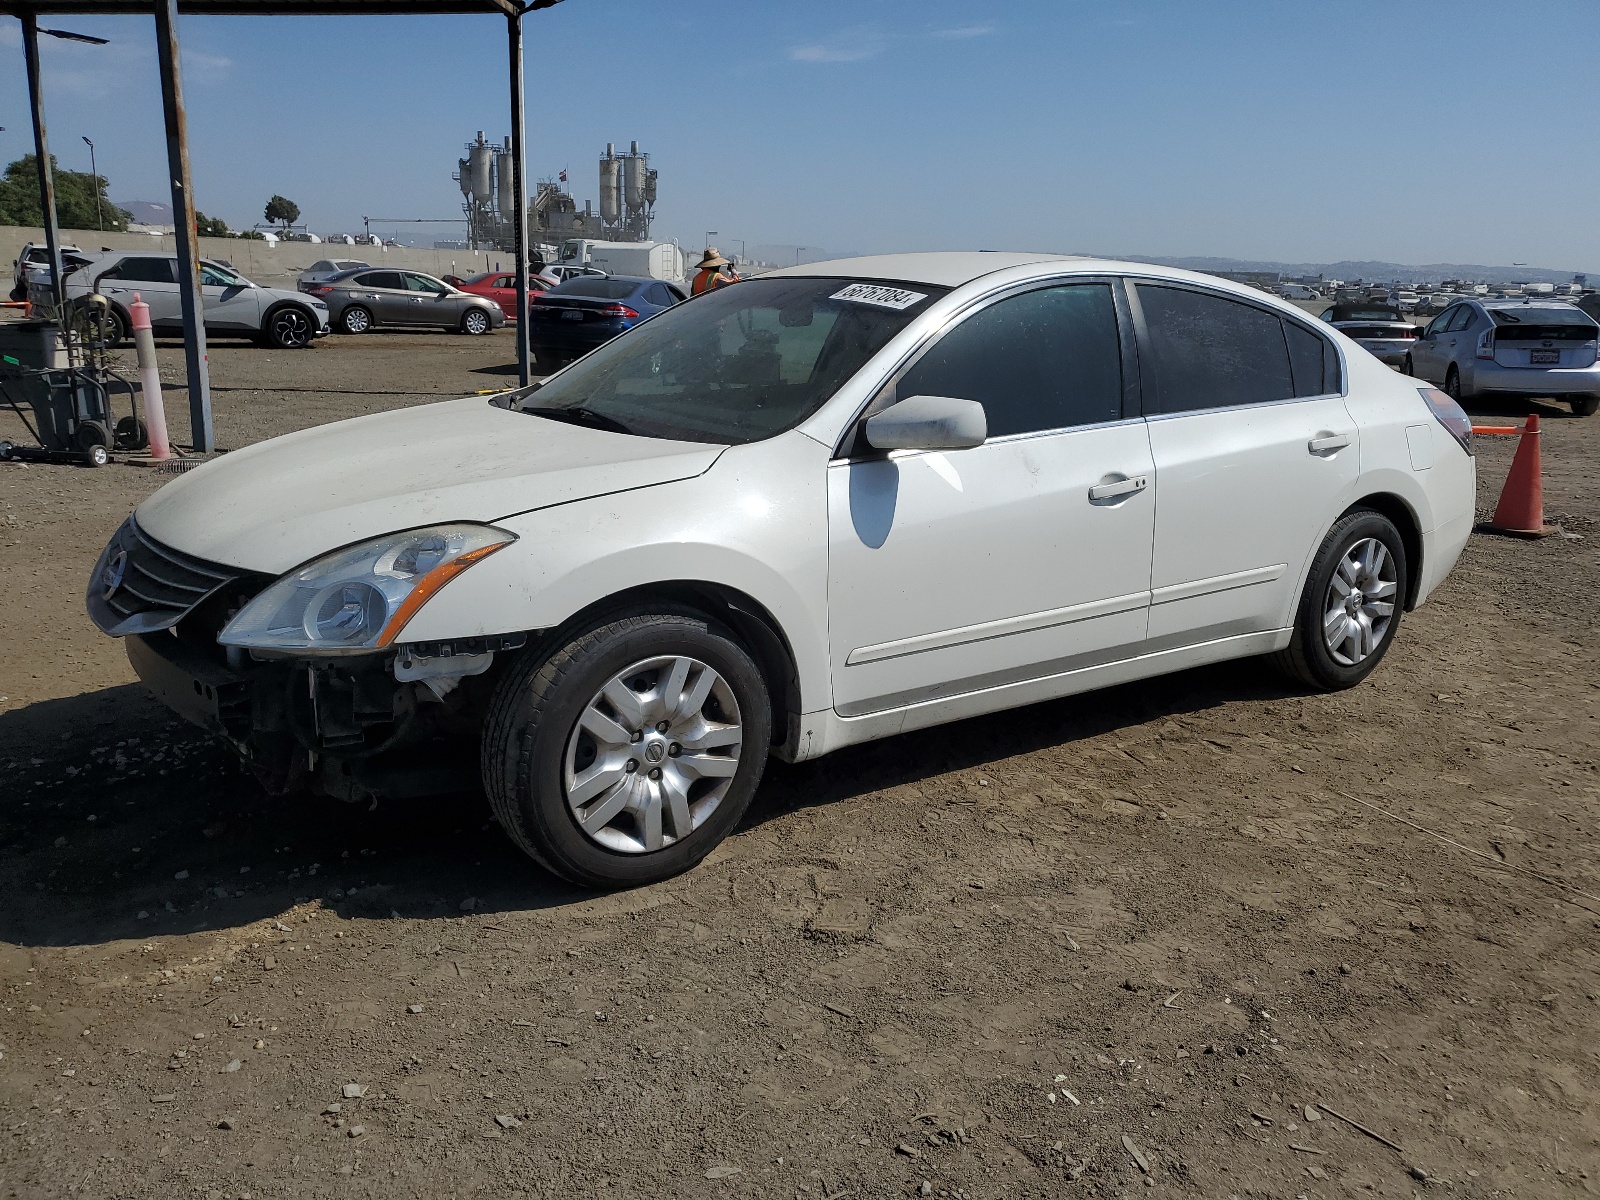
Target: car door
{"points": [[1254, 450], [1426, 359], [384, 292], [154, 278], [431, 302], [1026, 556], [231, 303], [1457, 342]]}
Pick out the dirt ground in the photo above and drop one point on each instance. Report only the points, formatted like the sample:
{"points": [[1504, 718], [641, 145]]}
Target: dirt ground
{"points": [[1202, 936]]}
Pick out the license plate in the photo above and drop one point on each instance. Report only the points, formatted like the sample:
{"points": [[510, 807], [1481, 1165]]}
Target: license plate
{"points": [[1544, 358], [572, 314]]}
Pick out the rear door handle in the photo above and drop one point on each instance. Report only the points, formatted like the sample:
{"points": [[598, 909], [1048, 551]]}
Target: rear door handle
{"points": [[1121, 487], [1327, 444]]}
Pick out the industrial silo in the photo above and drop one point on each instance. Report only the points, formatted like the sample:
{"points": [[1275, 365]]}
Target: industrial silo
{"points": [[481, 159], [610, 186], [633, 178]]}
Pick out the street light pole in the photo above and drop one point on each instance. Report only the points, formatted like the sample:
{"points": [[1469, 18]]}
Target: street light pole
{"points": [[94, 174], [797, 250], [710, 233]]}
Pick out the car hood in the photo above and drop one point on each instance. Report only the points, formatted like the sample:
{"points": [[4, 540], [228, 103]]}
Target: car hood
{"points": [[274, 505]]}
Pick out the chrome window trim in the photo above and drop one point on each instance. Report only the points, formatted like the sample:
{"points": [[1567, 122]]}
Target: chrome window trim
{"points": [[1004, 439]]}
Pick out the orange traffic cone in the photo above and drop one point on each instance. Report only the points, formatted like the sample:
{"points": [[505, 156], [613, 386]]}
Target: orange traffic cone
{"points": [[1521, 507]]}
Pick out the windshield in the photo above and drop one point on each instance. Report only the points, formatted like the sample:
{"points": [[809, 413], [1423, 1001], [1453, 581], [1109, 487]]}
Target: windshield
{"points": [[738, 364]]}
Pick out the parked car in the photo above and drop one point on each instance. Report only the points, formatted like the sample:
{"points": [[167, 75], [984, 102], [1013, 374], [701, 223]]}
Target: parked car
{"points": [[34, 261], [1589, 302], [573, 318], [1524, 347], [232, 304], [828, 505], [1404, 301], [1380, 328], [327, 268], [362, 300], [501, 287]]}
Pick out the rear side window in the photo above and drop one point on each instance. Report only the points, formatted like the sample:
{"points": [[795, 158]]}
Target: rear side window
{"points": [[147, 270], [1213, 353], [1312, 362], [381, 279], [1046, 359]]}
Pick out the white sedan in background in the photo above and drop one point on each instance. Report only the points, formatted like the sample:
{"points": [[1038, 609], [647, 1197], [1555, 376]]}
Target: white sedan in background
{"points": [[813, 509]]}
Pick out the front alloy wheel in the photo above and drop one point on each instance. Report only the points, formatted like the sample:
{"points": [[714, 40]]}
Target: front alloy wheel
{"points": [[475, 321], [653, 754], [289, 328], [624, 756]]}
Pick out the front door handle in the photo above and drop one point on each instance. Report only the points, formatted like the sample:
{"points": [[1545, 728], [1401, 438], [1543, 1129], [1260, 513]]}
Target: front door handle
{"points": [[1328, 443], [1120, 487]]}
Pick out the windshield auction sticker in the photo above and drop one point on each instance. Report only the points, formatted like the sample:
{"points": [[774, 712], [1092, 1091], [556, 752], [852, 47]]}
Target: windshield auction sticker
{"points": [[876, 293]]}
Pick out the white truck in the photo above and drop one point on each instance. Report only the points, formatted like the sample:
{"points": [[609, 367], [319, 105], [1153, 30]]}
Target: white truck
{"points": [[652, 260]]}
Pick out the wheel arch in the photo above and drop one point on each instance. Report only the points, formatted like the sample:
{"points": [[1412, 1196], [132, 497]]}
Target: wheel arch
{"points": [[278, 306], [1405, 520]]}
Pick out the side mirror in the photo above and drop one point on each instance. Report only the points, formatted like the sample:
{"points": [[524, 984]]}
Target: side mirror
{"points": [[929, 423]]}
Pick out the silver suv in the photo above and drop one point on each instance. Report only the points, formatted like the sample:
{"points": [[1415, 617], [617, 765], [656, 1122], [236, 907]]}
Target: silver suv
{"points": [[1516, 346], [232, 304]]}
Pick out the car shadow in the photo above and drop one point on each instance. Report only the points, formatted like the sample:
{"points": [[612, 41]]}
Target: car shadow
{"points": [[1502, 405], [126, 823]]}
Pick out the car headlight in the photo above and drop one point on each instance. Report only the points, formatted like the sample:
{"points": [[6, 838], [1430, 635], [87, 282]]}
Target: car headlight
{"points": [[358, 599]]}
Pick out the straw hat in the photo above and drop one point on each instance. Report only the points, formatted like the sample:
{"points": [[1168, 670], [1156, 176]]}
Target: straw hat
{"points": [[712, 258]]}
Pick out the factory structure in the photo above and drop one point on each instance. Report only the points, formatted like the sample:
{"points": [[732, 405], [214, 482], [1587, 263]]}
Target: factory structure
{"points": [[627, 200]]}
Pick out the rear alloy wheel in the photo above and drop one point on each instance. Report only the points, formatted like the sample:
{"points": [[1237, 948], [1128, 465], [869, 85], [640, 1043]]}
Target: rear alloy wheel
{"points": [[1350, 609], [289, 328], [626, 755], [1584, 406], [475, 321], [355, 319]]}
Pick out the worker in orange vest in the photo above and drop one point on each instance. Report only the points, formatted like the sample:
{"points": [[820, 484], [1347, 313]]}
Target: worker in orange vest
{"points": [[710, 274]]}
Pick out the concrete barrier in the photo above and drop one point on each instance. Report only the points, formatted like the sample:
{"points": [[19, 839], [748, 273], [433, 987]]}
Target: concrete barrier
{"points": [[261, 261]]}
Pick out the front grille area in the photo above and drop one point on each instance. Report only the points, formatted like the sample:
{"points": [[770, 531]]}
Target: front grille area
{"points": [[140, 586]]}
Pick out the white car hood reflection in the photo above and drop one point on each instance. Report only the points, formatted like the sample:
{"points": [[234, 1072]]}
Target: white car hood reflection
{"points": [[274, 505]]}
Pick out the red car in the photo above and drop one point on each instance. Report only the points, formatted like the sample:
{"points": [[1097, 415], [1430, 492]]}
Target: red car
{"points": [[501, 287]]}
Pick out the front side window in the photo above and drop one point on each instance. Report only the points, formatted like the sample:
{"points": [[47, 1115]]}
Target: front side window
{"points": [[1212, 352], [1440, 323], [736, 365], [423, 283], [1045, 359], [214, 276], [1461, 320]]}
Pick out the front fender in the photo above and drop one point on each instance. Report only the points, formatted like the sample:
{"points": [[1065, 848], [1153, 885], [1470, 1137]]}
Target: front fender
{"points": [[755, 523]]}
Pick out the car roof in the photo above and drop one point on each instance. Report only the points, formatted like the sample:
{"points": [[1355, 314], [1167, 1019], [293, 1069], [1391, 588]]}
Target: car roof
{"points": [[947, 268]]}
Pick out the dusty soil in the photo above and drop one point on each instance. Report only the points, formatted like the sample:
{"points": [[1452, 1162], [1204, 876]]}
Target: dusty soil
{"points": [[1029, 955]]}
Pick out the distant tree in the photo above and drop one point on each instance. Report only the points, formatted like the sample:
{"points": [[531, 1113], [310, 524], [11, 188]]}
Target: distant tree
{"points": [[282, 211], [251, 235], [211, 226], [75, 197]]}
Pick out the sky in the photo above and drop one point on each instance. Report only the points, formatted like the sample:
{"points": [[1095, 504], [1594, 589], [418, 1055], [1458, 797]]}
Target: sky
{"points": [[1262, 129]]}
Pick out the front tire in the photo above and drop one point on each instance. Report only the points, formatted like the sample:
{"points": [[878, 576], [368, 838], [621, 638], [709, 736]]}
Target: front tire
{"points": [[1452, 384], [1406, 367], [289, 328], [626, 755], [1350, 609], [475, 321]]}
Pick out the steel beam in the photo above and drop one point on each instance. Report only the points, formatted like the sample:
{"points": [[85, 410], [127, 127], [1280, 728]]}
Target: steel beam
{"points": [[519, 172], [194, 329], [47, 176]]}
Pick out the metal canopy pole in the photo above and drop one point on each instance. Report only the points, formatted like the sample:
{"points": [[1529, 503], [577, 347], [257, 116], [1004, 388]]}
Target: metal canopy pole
{"points": [[41, 150], [519, 171], [194, 330]]}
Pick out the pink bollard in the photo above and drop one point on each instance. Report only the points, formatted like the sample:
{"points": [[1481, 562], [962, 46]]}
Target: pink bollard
{"points": [[155, 413]]}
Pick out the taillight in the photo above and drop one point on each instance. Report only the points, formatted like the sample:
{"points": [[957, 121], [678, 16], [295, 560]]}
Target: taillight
{"points": [[1486, 344], [617, 310], [1449, 414]]}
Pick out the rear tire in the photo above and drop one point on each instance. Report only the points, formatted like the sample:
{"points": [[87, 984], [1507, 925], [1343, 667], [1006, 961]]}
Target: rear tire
{"points": [[1337, 586], [355, 319], [1584, 406], [533, 745]]}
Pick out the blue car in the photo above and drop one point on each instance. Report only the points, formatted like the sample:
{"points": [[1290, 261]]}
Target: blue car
{"points": [[574, 317]]}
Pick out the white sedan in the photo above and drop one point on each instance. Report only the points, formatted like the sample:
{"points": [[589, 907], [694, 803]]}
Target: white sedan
{"points": [[820, 507]]}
